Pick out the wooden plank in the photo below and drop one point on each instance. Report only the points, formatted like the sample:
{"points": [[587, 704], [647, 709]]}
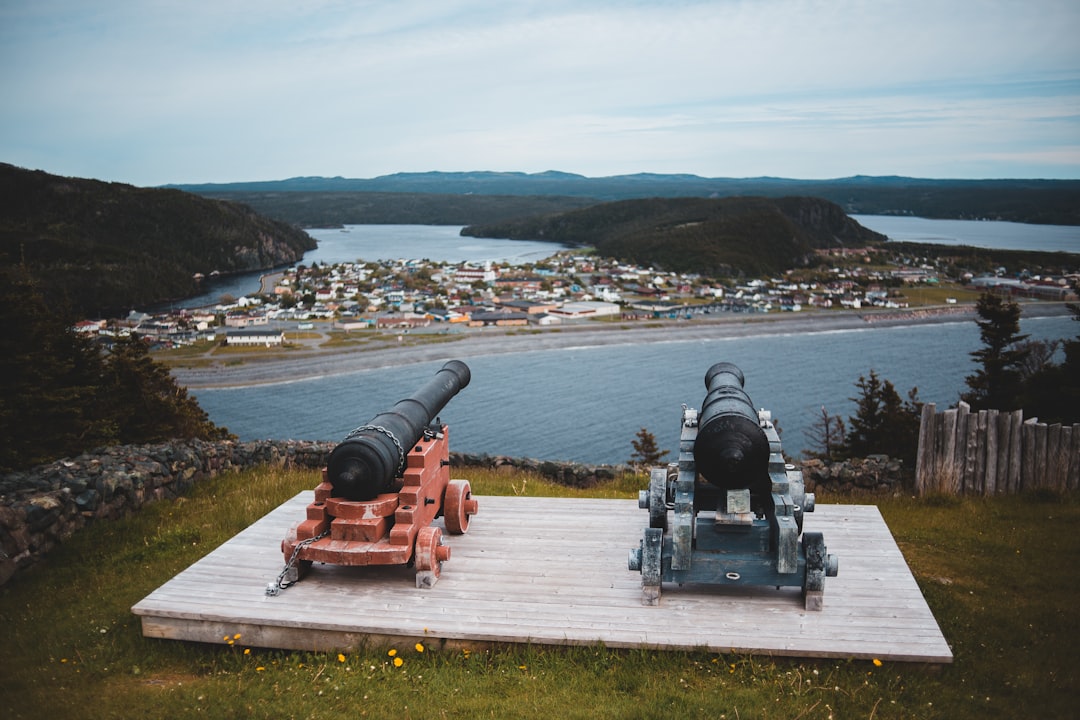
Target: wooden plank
{"points": [[963, 419], [1029, 469], [1056, 462], [1074, 481], [924, 457], [947, 473], [1004, 443], [1016, 445], [1041, 434], [976, 459], [550, 570], [991, 455]]}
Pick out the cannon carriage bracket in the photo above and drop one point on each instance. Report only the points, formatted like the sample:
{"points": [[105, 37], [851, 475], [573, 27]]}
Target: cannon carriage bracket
{"points": [[724, 533]]}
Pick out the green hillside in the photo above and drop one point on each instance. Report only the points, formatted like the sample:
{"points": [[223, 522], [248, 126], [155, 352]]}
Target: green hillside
{"points": [[710, 236], [104, 247], [331, 209]]}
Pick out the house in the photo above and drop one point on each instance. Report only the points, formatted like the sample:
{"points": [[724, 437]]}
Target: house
{"points": [[586, 310], [90, 327], [402, 321], [500, 319], [255, 337], [527, 306]]}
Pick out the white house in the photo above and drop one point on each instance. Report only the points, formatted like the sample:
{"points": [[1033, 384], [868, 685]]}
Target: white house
{"points": [[255, 337]]}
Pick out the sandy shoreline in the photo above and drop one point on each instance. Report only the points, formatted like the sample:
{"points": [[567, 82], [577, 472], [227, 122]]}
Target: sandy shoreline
{"points": [[475, 343]]}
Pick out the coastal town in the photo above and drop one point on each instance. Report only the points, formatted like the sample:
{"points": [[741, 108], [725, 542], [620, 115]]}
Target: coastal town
{"points": [[570, 287]]}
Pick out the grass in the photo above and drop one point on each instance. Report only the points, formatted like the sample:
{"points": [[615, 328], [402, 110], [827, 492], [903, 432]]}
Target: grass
{"points": [[920, 295], [999, 575]]}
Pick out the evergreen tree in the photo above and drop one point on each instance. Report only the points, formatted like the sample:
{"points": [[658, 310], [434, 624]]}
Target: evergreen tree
{"points": [[1052, 392], [145, 403], [997, 383], [646, 452], [48, 379], [60, 395], [883, 423]]}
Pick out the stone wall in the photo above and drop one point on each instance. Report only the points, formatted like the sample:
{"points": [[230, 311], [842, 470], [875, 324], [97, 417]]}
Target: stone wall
{"points": [[41, 507], [875, 474], [565, 473]]}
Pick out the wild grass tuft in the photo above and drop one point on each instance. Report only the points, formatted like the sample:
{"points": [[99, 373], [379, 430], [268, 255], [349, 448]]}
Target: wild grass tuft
{"points": [[998, 573]]}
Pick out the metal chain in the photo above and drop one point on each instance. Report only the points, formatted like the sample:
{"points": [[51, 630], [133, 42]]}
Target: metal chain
{"points": [[278, 585], [387, 433]]}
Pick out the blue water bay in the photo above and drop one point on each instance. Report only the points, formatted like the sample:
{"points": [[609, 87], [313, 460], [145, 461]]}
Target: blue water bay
{"points": [[586, 404]]}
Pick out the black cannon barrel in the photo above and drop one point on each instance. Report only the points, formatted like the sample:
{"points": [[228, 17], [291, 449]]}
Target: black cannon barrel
{"points": [[731, 450], [366, 462]]}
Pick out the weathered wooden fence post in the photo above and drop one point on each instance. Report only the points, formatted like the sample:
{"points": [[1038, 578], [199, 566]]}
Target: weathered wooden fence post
{"points": [[991, 452], [925, 457], [992, 430]]}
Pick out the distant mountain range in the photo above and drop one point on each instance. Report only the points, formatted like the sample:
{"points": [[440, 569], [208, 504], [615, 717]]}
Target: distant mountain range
{"points": [[1054, 202]]}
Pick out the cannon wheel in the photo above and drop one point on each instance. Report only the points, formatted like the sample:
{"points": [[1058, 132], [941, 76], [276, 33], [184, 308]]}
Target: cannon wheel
{"points": [[816, 558], [458, 505], [658, 501], [429, 556]]}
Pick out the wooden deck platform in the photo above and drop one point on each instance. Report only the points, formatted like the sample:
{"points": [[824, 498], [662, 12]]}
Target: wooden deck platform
{"points": [[550, 571]]}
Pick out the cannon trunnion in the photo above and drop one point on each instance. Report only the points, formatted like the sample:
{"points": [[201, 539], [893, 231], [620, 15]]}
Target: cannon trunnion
{"points": [[730, 512], [382, 487]]}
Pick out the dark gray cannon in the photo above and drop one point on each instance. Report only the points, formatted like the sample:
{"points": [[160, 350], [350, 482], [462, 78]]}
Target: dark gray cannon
{"points": [[731, 449], [368, 460], [730, 511]]}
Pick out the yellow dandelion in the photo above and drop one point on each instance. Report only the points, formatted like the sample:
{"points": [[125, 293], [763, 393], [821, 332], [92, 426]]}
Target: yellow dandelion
{"points": [[225, 638], [232, 642], [236, 636], [340, 658], [247, 651], [419, 647], [63, 660], [523, 667], [260, 669], [391, 652], [877, 663], [398, 662]]}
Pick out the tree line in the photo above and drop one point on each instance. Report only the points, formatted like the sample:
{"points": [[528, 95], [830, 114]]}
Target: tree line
{"points": [[63, 393], [1012, 372]]}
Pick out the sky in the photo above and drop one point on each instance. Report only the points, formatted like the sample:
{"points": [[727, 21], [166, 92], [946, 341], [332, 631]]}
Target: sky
{"points": [[151, 92]]}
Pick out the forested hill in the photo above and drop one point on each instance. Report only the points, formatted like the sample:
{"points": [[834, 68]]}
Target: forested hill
{"points": [[1055, 202], [103, 247], [726, 236]]}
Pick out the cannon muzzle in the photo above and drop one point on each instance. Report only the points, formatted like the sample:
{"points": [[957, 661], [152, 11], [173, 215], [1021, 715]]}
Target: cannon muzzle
{"points": [[731, 450], [366, 462]]}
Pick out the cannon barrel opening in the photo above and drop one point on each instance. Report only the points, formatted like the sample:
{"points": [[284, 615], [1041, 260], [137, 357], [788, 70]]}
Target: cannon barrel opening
{"points": [[366, 462], [731, 450]]}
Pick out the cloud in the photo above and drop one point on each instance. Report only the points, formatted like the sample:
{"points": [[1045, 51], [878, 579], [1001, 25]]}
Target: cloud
{"points": [[164, 91]]}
